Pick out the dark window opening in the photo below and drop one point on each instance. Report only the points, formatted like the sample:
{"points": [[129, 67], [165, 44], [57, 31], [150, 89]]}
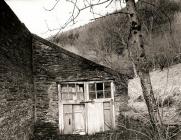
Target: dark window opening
{"points": [[100, 94], [99, 86]]}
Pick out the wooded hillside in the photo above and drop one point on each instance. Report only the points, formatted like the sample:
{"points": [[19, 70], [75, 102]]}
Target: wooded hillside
{"points": [[105, 39]]}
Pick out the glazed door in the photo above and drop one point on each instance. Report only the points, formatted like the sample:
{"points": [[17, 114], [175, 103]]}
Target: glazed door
{"points": [[67, 119]]}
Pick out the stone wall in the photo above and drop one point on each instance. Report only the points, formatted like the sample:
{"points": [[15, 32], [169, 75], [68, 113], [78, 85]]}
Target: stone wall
{"points": [[52, 64], [15, 77]]}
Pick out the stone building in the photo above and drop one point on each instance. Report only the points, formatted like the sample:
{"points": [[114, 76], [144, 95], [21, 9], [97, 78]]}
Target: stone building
{"points": [[73, 93], [53, 89]]}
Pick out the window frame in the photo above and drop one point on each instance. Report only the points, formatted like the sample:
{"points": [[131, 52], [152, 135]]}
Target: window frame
{"points": [[68, 92], [95, 84]]}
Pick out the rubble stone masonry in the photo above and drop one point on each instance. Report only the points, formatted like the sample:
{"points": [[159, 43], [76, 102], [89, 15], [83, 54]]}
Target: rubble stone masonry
{"points": [[16, 96]]}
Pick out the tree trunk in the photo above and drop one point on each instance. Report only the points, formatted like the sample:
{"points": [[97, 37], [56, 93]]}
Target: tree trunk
{"points": [[138, 57]]}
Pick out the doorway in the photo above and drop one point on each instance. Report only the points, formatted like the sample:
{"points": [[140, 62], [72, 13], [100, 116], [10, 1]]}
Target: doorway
{"points": [[74, 118]]}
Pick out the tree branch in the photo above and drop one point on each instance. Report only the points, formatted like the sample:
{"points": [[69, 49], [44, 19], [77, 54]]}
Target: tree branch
{"points": [[57, 1]]}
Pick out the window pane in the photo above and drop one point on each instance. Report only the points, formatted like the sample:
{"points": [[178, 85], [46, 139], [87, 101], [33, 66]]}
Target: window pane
{"points": [[107, 86], [80, 91], [65, 96], [72, 96], [64, 88], [107, 94], [80, 96], [80, 87], [99, 86], [92, 95], [71, 88], [99, 94], [92, 87]]}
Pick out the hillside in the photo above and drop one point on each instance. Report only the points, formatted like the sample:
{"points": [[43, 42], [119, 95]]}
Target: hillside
{"points": [[167, 89], [105, 40]]}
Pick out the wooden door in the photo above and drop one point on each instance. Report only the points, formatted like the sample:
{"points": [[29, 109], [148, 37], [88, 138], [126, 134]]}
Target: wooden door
{"points": [[95, 117], [107, 116], [67, 119], [78, 119]]}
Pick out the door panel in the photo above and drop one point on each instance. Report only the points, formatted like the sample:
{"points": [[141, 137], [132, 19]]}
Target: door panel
{"points": [[78, 119], [95, 117], [74, 119], [67, 117], [107, 116]]}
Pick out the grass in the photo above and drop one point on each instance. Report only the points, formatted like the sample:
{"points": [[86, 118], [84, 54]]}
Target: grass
{"points": [[167, 89]]}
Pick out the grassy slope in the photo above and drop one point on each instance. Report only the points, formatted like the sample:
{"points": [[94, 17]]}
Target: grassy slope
{"points": [[167, 89]]}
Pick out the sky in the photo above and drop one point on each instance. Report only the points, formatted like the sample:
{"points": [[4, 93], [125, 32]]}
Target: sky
{"points": [[35, 15]]}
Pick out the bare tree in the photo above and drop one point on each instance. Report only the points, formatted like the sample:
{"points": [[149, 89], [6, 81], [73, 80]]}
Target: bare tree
{"points": [[136, 49], [138, 56]]}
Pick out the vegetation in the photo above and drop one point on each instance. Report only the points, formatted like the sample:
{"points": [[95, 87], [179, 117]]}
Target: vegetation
{"points": [[144, 51], [166, 88], [105, 39]]}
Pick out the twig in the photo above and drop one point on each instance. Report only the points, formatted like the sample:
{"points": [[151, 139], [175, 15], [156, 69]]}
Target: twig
{"points": [[139, 132], [57, 1]]}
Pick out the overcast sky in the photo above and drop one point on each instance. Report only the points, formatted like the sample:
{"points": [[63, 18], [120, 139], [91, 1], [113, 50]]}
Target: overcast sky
{"points": [[38, 20]]}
